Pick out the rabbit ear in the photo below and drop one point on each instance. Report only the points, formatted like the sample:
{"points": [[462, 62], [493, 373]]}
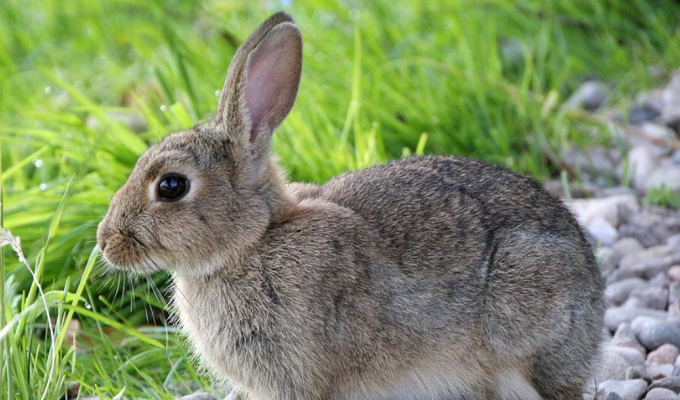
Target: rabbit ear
{"points": [[262, 83]]}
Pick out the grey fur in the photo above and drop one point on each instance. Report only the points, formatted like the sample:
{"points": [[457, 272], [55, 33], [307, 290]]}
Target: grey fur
{"points": [[425, 278]]}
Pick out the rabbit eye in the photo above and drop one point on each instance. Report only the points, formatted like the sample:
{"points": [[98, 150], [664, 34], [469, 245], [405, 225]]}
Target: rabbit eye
{"points": [[172, 187]]}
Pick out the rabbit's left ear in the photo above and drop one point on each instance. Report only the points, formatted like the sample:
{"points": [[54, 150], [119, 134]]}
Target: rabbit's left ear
{"points": [[261, 86]]}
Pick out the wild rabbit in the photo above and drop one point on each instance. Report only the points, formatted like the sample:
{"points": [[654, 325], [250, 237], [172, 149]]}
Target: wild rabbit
{"points": [[424, 278]]}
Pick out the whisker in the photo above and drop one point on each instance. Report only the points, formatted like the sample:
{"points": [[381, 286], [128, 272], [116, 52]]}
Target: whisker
{"points": [[118, 279], [132, 294], [125, 279], [142, 264], [158, 293]]}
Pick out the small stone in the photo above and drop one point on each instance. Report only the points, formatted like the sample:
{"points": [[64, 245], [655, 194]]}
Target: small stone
{"points": [[641, 233], [671, 117], [642, 113], [673, 241], [602, 231], [641, 162], [634, 373], [628, 245], [72, 390], [660, 280], [590, 95], [659, 371], [627, 390], [620, 274], [616, 361], [658, 132], [615, 191], [611, 256], [654, 98], [609, 208], [654, 297], [674, 291], [665, 354], [668, 175], [674, 309], [668, 226], [670, 383], [625, 337], [650, 261], [674, 273], [612, 396], [615, 316], [646, 218], [601, 160], [607, 259], [676, 370], [635, 303], [617, 293], [653, 333], [660, 394]]}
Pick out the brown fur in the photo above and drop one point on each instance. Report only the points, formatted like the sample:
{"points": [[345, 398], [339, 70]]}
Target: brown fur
{"points": [[425, 278]]}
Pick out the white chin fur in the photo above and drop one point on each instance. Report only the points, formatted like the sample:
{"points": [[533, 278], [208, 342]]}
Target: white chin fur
{"points": [[196, 268], [201, 268]]}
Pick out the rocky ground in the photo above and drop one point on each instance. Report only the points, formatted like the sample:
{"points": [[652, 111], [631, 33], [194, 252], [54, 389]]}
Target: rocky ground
{"points": [[629, 214]]}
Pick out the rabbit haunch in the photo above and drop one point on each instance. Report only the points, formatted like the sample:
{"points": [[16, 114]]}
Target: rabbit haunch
{"points": [[424, 278]]}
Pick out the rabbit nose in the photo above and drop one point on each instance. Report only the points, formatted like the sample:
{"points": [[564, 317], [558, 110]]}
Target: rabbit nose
{"points": [[101, 236], [102, 244]]}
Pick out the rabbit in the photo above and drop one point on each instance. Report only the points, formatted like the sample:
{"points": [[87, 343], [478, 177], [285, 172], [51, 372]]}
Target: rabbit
{"points": [[429, 277]]}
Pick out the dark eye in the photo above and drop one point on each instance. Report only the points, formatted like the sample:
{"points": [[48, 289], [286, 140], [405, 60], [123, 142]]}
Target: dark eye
{"points": [[172, 187]]}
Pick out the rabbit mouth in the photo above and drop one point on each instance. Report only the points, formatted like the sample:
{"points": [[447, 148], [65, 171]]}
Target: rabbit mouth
{"points": [[126, 251]]}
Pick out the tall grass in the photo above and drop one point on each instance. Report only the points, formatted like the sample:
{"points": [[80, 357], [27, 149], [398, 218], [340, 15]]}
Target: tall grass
{"points": [[381, 79]]}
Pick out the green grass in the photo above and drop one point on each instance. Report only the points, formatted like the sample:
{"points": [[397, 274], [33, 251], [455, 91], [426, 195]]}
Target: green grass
{"points": [[663, 196], [381, 79]]}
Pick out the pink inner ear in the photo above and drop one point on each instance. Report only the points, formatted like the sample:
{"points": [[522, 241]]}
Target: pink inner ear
{"points": [[272, 76], [260, 93]]}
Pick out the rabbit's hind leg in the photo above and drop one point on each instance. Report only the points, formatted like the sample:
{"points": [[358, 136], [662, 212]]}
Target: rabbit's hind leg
{"points": [[562, 370], [557, 376]]}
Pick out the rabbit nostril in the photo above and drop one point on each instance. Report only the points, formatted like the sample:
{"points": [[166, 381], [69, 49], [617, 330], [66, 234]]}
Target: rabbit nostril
{"points": [[102, 244], [103, 232]]}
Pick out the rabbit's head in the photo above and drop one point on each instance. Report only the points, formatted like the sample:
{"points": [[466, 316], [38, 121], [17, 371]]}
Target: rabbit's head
{"points": [[200, 198]]}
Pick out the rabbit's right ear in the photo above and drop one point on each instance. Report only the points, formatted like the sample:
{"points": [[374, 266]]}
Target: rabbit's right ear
{"points": [[261, 86]]}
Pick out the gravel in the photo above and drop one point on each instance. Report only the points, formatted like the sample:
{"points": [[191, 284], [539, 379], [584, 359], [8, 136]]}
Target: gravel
{"points": [[637, 243]]}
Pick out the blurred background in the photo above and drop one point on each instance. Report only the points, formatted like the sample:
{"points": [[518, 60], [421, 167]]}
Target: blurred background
{"points": [[87, 86]]}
